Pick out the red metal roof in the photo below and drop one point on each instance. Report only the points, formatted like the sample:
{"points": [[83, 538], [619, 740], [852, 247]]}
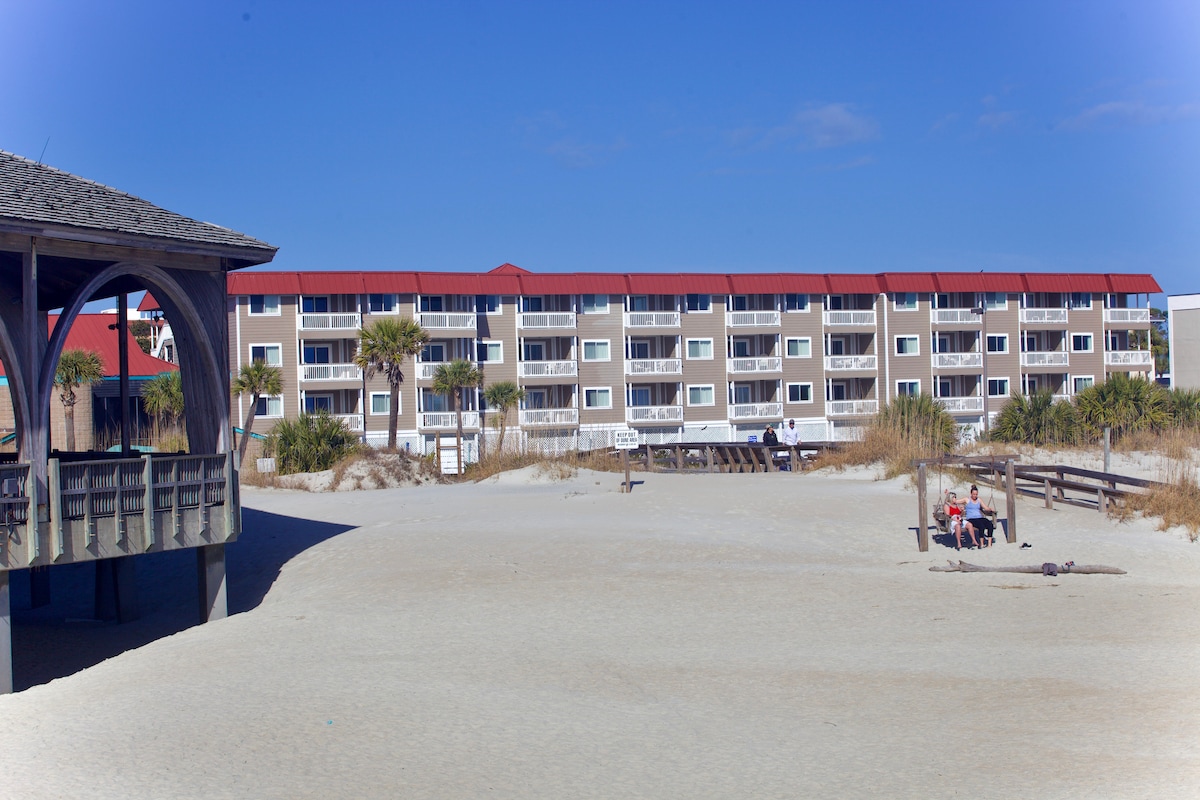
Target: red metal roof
{"points": [[500, 283], [801, 283], [1133, 284], [601, 283], [756, 284], [704, 283], [389, 282], [449, 283], [554, 283], [263, 283], [908, 282], [657, 283], [91, 332], [959, 282], [148, 303], [509, 269], [1002, 282], [331, 283], [1047, 282], [854, 284]]}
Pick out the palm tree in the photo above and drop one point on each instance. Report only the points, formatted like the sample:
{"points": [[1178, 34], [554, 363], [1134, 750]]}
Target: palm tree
{"points": [[76, 368], [382, 347], [1124, 404], [162, 396], [450, 379], [255, 379], [503, 396]]}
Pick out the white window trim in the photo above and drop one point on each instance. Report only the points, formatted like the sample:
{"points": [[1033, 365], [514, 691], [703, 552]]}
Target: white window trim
{"points": [[917, 381], [708, 310], [1071, 302], [1001, 305], [278, 345], [499, 305], [712, 390], [395, 304], [583, 350], [587, 389], [1074, 378], [807, 303], [1008, 384], [711, 350], [371, 403], [278, 306], [489, 342], [1003, 336], [899, 308], [787, 394], [315, 395], [896, 347], [1091, 341], [607, 304], [269, 398], [786, 349]]}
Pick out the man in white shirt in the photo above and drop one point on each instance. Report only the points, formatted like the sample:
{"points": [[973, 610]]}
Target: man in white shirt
{"points": [[791, 437]]}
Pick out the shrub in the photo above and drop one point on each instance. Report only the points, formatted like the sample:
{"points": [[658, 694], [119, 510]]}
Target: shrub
{"points": [[310, 443], [1036, 419], [1125, 404], [1183, 405], [911, 427]]}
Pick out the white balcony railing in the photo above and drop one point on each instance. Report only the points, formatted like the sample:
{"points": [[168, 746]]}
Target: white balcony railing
{"points": [[1054, 358], [959, 405], [845, 363], [1129, 358], [546, 319], [654, 366], [1044, 316], [354, 422], [850, 317], [848, 408], [1127, 315], [330, 372], [549, 416], [748, 319], [654, 414], [425, 369], [953, 316], [448, 420], [756, 411], [457, 321], [651, 319], [548, 369], [757, 364], [329, 322], [957, 360]]}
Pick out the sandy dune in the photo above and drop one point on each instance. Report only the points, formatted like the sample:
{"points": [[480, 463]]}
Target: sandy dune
{"points": [[723, 636]]}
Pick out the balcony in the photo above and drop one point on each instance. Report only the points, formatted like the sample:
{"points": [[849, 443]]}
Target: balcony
{"points": [[654, 366], [354, 422], [849, 363], [330, 372], [1119, 315], [651, 319], [760, 364], [1052, 358], [756, 411], [957, 360], [549, 417], [953, 316], [1044, 316], [962, 405], [858, 318], [546, 319], [437, 320], [651, 414], [752, 319], [548, 369], [329, 322], [851, 408], [447, 420], [1129, 358]]}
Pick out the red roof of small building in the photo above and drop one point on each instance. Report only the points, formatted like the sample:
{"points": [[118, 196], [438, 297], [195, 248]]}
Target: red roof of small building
{"points": [[91, 332]]}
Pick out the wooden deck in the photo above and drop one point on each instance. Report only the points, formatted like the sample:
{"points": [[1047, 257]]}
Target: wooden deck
{"points": [[726, 456]]}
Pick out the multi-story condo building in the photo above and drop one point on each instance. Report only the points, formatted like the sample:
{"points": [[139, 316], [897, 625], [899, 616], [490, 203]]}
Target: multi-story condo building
{"points": [[687, 357]]}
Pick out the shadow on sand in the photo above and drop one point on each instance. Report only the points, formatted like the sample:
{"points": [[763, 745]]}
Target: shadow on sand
{"points": [[62, 638]]}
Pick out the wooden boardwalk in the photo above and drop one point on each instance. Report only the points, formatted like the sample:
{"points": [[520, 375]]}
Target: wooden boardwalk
{"points": [[726, 456]]}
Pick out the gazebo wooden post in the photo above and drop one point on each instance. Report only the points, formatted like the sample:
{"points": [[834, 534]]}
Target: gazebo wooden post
{"points": [[1010, 497], [922, 511]]}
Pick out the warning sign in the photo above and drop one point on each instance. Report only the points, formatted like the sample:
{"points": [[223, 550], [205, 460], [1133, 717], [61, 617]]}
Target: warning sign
{"points": [[627, 439]]}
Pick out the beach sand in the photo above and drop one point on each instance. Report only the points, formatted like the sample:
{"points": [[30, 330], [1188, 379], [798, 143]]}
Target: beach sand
{"points": [[707, 636]]}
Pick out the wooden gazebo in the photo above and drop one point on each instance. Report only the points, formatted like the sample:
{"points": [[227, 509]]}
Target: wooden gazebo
{"points": [[64, 241]]}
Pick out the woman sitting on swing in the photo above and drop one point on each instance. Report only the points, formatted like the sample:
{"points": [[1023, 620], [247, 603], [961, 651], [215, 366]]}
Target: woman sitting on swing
{"points": [[955, 520], [974, 519]]}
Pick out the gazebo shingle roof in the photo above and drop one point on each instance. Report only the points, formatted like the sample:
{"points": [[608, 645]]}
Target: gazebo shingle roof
{"points": [[36, 193]]}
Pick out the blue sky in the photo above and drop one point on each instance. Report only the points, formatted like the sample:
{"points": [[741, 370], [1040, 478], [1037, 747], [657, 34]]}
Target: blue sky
{"points": [[564, 136]]}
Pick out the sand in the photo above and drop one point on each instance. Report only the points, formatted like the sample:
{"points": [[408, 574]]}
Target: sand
{"points": [[712, 636]]}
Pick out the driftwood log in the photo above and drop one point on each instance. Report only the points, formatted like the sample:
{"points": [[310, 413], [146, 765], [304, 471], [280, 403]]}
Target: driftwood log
{"points": [[1083, 569]]}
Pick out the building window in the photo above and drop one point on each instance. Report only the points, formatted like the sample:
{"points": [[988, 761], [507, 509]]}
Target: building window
{"points": [[701, 395], [316, 354], [381, 303], [1081, 343], [267, 353], [995, 301], [908, 345], [534, 351], [795, 302], [908, 388], [905, 301], [997, 387], [700, 348], [1081, 301], [432, 303], [434, 353], [739, 302], [487, 304], [799, 347], [799, 393], [1082, 382], [269, 406], [314, 305], [381, 402], [699, 302], [266, 305], [596, 350], [595, 304], [491, 352], [597, 398], [318, 402], [532, 305], [997, 343]]}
